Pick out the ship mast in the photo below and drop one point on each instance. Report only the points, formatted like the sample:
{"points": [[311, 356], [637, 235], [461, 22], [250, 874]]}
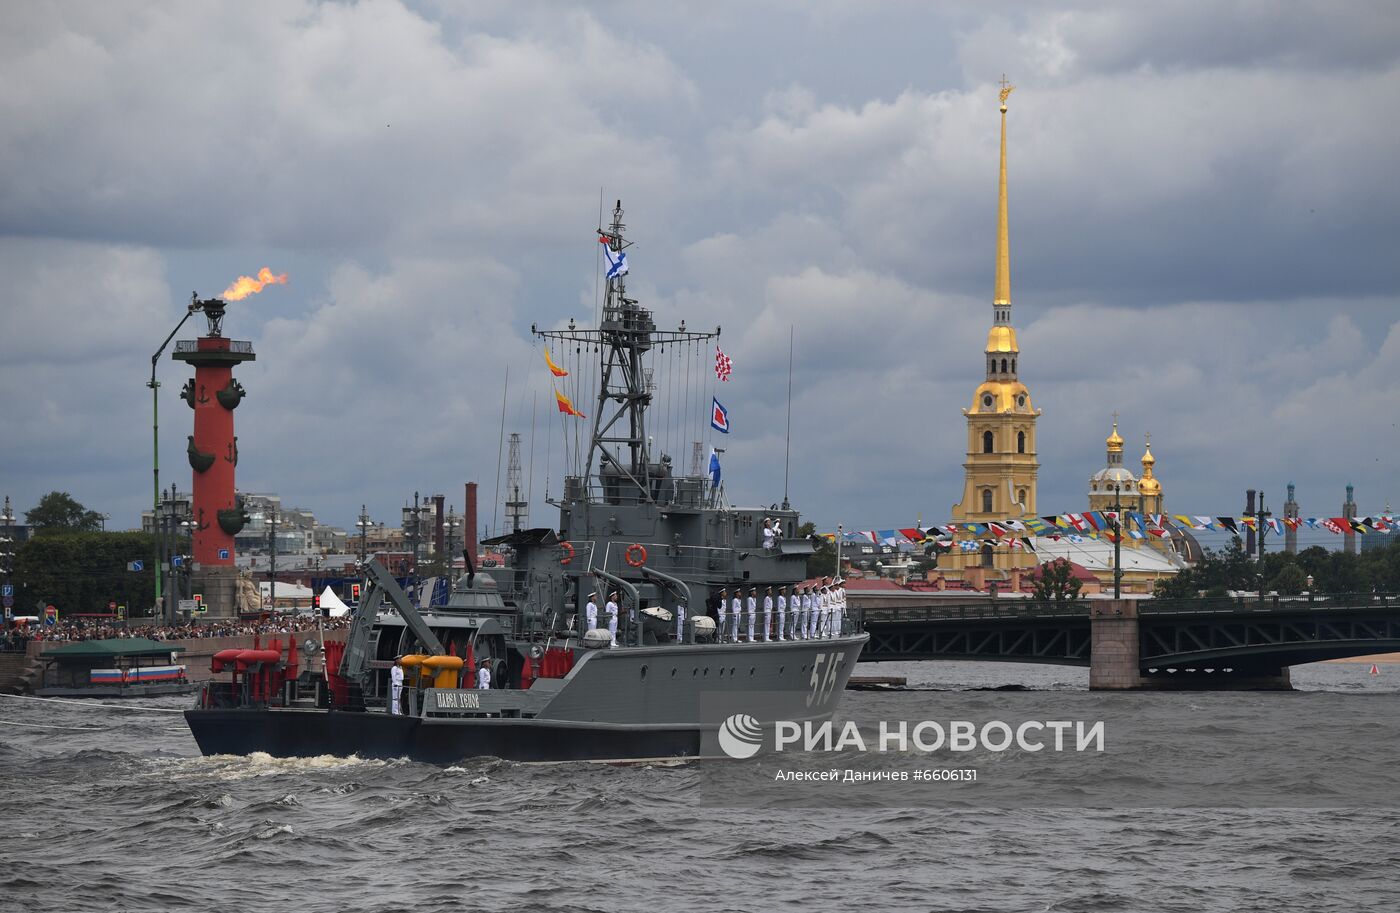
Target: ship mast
{"points": [[618, 452]]}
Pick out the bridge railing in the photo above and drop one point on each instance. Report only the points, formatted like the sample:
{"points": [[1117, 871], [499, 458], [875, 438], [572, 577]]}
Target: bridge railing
{"points": [[1237, 605], [1020, 608]]}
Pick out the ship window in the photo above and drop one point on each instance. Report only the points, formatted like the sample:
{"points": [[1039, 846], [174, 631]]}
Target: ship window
{"points": [[1020, 442], [987, 442], [986, 500]]}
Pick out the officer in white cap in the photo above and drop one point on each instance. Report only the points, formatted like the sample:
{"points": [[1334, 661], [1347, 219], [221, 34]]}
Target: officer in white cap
{"points": [[611, 610], [483, 675], [837, 607], [752, 605], [767, 614], [590, 612], [782, 612], [770, 535], [395, 686], [736, 608], [824, 623], [804, 608], [723, 612]]}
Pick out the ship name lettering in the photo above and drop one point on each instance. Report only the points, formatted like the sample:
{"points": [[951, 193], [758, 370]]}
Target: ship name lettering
{"points": [[458, 700]]}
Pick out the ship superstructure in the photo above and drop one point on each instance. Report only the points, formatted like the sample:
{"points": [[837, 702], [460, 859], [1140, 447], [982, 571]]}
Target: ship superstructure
{"points": [[629, 523]]}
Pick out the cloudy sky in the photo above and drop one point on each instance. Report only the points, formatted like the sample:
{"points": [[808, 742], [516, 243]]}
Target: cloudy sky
{"points": [[1203, 237]]}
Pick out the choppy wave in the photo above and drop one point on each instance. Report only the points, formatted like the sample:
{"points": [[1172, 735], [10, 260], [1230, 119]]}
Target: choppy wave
{"points": [[123, 814]]}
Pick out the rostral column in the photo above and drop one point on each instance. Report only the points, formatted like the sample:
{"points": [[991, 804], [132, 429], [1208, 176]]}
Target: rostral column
{"points": [[213, 394]]}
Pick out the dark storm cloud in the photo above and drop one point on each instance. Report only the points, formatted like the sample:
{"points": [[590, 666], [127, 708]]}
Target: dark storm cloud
{"points": [[1202, 234]]}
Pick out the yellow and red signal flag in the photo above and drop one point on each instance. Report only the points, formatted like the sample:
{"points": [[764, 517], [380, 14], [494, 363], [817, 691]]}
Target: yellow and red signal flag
{"points": [[553, 368], [566, 406]]}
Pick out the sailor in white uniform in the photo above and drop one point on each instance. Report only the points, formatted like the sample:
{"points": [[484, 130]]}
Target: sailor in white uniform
{"points": [[804, 609], [837, 607], [736, 608], [611, 610], [590, 613], [782, 612], [818, 609], [483, 676], [770, 535], [395, 687], [752, 605], [723, 613], [767, 615]]}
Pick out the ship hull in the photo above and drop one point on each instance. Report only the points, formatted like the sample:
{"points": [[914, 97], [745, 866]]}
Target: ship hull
{"points": [[617, 705], [312, 733]]}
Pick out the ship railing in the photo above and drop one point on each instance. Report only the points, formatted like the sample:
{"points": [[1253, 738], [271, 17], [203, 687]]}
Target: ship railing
{"points": [[618, 557], [672, 491]]}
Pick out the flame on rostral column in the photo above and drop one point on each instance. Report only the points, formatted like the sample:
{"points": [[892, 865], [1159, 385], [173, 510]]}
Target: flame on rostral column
{"points": [[247, 285]]}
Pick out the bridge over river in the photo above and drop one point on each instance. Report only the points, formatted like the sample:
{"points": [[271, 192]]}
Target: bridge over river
{"points": [[1137, 643]]}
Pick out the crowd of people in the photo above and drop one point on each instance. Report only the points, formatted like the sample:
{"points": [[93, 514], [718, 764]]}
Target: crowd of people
{"points": [[17, 636]]}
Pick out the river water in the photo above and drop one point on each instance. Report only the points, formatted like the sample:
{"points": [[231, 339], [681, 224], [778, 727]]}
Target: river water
{"points": [[1199, 802]]}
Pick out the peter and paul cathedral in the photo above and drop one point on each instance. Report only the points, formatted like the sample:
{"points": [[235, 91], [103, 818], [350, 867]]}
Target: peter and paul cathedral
{"points": [[1001, 468]]}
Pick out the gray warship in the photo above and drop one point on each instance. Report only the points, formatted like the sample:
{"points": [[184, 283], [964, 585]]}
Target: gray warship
{"points": [[668, 544]]}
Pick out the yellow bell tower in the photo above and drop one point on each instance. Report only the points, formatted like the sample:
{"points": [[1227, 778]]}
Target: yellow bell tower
{"points": [[1001, 468]]}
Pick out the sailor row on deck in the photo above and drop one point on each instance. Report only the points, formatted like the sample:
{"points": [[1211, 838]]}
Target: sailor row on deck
{"points": [[795, 612]]}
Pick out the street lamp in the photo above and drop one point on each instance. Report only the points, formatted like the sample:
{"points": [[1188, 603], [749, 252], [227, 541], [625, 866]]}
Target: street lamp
{"points": [[1117, 539], [154, 384], [7, 552], [272, 552], [363, 524]]}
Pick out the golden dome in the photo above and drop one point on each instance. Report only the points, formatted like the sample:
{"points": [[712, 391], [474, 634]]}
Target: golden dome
{"points": [[1149, 485], [1002, 339], [1115, 443]]}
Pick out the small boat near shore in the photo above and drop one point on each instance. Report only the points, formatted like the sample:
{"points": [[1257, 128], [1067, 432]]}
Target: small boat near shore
{"points": [[115, 667]]}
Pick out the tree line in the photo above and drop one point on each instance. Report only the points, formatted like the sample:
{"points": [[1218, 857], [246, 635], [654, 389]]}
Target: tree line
{"points": [[70, 564], [1219, 571]]}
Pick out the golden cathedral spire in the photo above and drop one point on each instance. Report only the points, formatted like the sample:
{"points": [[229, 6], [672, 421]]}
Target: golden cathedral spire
{"points": [[1001, 338], [1001, 295]]}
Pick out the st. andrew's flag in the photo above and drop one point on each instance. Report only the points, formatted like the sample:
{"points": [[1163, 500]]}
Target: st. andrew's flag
{"points": [[719, 417], [617, 262]]}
